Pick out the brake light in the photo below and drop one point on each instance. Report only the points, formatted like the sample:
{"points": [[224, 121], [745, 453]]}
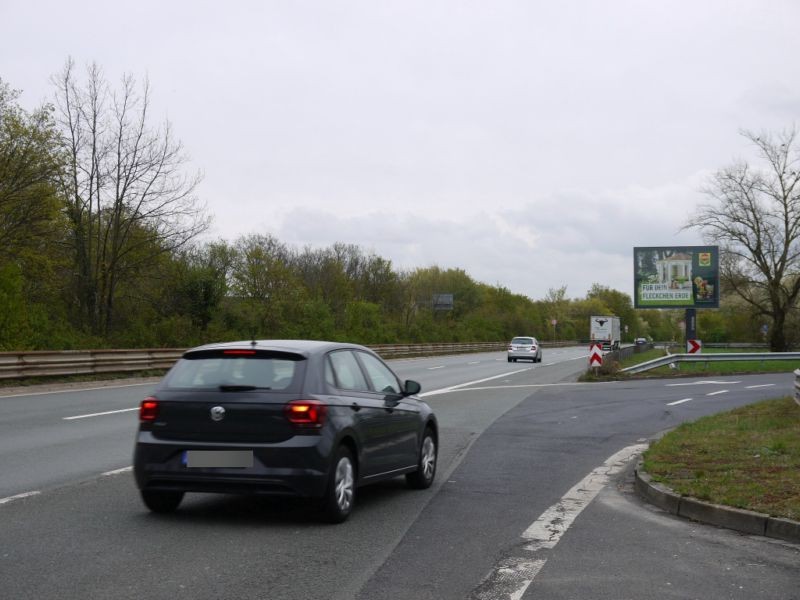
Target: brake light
{"points": [[240, 352], [306, 413], [148, 410]]}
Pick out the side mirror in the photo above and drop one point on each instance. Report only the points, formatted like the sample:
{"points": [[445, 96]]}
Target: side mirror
{"points": [[411, 388]]}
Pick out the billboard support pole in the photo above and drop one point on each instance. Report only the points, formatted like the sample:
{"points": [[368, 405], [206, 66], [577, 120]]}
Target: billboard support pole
{"points": [[691, 325]]}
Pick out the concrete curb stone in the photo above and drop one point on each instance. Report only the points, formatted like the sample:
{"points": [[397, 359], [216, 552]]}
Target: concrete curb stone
{"points": [[737, 519]]}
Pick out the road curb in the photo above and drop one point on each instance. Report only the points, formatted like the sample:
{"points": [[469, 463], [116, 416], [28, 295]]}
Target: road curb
{"points": [[745, 521]]}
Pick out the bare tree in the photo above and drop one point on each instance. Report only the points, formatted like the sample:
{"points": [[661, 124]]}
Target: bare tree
{"points": [[128, 197], [755, 218]]}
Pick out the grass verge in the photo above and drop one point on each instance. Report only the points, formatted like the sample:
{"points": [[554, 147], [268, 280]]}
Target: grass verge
{"points": [[746, 458], [694, 369]]}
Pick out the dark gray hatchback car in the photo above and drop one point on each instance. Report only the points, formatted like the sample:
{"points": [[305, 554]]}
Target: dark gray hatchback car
{"points": [[282, 417]]}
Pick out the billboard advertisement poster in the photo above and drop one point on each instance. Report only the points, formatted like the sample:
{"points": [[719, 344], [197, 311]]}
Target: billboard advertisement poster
{"points": [[676, 277]]}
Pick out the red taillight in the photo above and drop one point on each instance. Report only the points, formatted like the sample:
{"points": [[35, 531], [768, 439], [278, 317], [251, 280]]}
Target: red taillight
{"points": [[306, 413], [240, 352], [148, 410]]}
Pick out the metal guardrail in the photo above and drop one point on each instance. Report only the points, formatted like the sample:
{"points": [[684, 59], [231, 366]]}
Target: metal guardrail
{"points": [[709, 358], [20, 365]]}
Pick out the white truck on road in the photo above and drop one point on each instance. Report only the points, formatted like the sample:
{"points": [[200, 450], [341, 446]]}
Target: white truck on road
{"points": [[605, 330]]}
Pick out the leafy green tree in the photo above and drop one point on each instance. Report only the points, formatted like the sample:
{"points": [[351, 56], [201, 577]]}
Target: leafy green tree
{"points": [[30, 166], [266, 289], [620, 305]]}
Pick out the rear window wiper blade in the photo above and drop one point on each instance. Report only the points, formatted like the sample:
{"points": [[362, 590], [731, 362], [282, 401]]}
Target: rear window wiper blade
{"points": [[240, 388]]}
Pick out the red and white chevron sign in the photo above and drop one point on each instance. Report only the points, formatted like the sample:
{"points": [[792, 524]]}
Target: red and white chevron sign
{"points": [[694, 347], [595, 355]]}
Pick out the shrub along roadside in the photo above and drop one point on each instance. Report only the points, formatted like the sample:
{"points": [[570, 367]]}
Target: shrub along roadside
{"points": [[746, 458]]}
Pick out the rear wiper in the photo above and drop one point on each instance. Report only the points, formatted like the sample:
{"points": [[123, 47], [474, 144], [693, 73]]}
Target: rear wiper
{"points": [[240, 388]]}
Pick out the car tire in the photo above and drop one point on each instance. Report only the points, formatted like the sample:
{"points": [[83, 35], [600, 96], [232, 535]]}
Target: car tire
{"points": [[509, 360], [160, 501], [422, 478], [340, 494]]}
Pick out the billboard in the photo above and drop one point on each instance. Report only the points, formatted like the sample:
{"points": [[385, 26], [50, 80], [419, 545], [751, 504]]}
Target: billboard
{"points": [[676, 277]]}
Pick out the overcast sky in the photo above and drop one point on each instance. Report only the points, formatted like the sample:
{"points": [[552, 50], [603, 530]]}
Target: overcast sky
{"points": [[531, 143]]}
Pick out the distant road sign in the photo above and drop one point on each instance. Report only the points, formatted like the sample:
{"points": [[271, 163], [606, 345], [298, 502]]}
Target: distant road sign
{"points": [[694, 347]]}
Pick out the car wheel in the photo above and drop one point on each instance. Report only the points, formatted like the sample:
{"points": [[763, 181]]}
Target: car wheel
{"points": [[340, 494], [509, 360], [161, 501], [422, 478]]}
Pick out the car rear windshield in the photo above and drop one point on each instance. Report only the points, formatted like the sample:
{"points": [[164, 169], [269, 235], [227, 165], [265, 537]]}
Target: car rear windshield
{"points": [[237, 370], [522, 340]]}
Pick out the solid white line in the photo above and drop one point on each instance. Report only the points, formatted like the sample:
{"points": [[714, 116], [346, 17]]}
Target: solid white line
{"points": [[548, 529], [100, 414], [523, 385], [512, 576], [434, 368], [18, 497], [461, 385], [716, 393], [754, 387], [679, 402]]}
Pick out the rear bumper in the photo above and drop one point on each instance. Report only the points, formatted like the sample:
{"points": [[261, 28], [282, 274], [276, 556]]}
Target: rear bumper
{"points": [[523, 355], [298, 467]]}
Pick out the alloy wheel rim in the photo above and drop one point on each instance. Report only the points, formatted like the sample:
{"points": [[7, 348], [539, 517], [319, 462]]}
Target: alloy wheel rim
{"points": [[344, 484], [428, 457]]}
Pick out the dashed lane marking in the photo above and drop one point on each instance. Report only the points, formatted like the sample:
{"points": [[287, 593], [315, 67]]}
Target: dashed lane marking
{"points": [[679, 402]]}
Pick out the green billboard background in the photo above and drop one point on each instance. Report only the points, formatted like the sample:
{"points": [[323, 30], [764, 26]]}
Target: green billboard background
{"points": [[676, 277]]}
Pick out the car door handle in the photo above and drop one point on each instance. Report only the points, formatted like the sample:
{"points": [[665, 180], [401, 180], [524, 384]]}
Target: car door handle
{"points": [[355, 406]]}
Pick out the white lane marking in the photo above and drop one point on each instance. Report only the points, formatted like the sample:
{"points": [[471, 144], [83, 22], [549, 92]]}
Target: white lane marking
{"points": [[523, 385], [755, 387], [18, 497], [513, 575], [461, 385], [477, 362], [716, 393], [100, 414], [116, 471], [434, 368], [703, 383], [679, 402], [91, 389]]}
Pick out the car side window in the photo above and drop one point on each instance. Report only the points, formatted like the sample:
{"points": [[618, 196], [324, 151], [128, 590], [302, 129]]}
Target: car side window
{"points": [[382, 379], [346, 371]]}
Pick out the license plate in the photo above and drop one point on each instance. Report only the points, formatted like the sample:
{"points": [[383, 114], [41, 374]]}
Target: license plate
{"points": [[230, 459]]}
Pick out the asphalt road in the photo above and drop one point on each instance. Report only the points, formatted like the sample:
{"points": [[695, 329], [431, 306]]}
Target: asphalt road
{"points": [[515, 439]]}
